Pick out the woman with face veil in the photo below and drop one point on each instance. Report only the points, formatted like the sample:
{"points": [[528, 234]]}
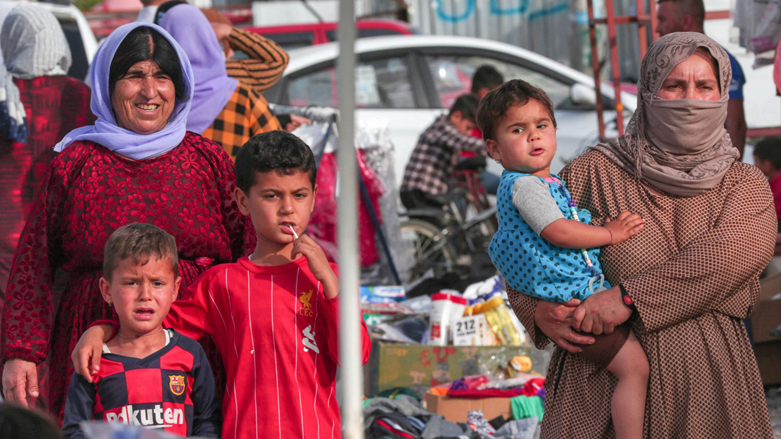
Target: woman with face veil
{"points": [[687, 280]]}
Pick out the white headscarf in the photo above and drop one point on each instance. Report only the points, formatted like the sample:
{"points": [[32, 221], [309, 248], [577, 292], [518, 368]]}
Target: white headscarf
{"points": [[33, 45]]}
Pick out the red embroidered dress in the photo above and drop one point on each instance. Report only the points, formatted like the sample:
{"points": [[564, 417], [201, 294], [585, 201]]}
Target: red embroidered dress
{"points": [[89, 192], [54, 105]]}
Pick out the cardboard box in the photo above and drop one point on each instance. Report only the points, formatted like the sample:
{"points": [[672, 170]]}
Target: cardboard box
{"points": [[419, 367], [456, 409]]}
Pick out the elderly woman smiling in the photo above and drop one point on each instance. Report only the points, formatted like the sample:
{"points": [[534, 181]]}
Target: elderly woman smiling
{"points": [[136, 164], [685, 282]]}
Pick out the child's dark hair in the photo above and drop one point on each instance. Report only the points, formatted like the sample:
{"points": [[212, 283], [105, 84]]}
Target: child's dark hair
{"points": [[139, 241], [19, 422], [486, 76], [495, 104], [277, 151], [769, 149], [467, 105]]}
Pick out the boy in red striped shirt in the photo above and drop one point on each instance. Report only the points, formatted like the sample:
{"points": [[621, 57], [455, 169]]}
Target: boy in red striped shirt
{"points": [[274, 315]]}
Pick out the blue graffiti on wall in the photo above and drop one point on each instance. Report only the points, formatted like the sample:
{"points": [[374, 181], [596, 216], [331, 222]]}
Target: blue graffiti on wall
{"points": [[521, 8]]}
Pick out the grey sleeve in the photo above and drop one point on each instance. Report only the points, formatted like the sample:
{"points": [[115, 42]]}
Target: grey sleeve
{"points": [[533, 200]]}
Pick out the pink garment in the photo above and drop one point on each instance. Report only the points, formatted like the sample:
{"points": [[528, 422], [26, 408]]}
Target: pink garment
{"points": [[485, 393], [322, 224], [775, 188], [777, 69]]}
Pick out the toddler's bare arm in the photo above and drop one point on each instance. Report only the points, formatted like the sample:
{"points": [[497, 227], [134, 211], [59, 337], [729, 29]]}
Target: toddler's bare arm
{"points": [[568, 233]]}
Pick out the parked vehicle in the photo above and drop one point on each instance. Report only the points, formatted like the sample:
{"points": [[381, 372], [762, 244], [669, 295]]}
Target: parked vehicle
{"points": [[404, 83], [81, 40], [294, 36]]}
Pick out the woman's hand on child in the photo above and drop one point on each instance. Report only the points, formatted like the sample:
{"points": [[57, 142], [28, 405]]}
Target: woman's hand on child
{"points": [[318, 264], [624, 227], [601, 312], [555, 321], [86, 355]]}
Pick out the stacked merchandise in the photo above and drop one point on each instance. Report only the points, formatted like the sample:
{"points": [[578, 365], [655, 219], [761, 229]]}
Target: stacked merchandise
{"points": [[465, 357]]}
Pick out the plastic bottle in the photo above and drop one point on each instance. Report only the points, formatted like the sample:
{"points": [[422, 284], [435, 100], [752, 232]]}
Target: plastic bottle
{"points": [[446, 306], [500, 321]]}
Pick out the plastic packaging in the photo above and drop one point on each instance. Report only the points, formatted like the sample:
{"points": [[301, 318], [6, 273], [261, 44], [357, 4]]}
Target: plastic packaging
{"points": [[491, 285], [420, 304], [500, 321], [381, 294], [446, 306]]}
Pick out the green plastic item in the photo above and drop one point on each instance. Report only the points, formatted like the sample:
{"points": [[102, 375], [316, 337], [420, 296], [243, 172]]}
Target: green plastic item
{"points": [[395, 392], [527, 407]]}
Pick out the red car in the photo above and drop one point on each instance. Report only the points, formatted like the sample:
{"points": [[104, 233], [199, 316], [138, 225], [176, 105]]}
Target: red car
{"points": [[293, 36]]}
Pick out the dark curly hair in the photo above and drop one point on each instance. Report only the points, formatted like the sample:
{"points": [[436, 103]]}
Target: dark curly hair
{"points": [[495, 104], [277, 151]]}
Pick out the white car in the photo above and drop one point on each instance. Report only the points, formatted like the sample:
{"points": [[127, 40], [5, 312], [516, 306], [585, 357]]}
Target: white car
{"points": [[405, 82]]}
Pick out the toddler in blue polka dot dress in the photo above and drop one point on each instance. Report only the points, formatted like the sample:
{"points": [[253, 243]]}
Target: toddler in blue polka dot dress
{"points": [[545, 246]]}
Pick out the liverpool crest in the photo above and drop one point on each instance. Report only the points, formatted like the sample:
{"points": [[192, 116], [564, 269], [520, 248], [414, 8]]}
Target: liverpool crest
{"points": [[306, 308]]}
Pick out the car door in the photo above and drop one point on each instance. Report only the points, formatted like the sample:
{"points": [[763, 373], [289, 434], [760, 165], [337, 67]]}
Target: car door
{"points": [[451, 73]]}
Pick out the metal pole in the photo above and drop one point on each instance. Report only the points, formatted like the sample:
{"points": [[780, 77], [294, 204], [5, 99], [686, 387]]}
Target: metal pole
{"points": [[615, 66], [592, 35], [347, 239], [643, 22]]}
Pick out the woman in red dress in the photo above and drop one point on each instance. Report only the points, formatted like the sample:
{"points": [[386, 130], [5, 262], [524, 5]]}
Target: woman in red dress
{"points": [[136, 164]]}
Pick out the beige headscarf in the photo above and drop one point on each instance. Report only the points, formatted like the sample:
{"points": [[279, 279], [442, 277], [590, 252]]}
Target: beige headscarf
{"points": [[678, 146]]}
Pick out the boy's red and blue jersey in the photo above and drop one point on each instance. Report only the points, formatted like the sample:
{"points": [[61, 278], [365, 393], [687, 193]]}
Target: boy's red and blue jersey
{"points": [[172, 390]]}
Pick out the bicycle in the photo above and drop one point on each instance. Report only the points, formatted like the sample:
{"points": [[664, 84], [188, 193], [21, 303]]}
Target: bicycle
{"points": [[466, 176], [445, 241]]}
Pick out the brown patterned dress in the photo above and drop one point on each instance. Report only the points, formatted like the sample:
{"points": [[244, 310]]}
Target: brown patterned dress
{"points": [[693, 274]]}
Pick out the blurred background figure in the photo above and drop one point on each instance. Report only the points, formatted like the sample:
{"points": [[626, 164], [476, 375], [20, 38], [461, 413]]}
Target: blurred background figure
{"points": [[225, 109], [767, 157], [689, 16], [147, 13], [39, 105], [485, 79], [19, 422]]}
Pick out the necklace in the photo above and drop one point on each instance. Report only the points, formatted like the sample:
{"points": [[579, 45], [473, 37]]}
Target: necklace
{"points": [[573, 208], [134, 337]]}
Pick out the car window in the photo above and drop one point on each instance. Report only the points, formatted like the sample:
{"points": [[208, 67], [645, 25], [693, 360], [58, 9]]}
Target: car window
{"points": [[452, 77], [383, 83], [79, 65]]}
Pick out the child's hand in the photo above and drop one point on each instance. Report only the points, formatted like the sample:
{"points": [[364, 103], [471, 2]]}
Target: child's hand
{"points": [[318, 264], [601, 312], [87, 352], [623, 227]]}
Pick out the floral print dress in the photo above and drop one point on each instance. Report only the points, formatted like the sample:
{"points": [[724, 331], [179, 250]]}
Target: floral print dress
{"points": [[88, 193]]}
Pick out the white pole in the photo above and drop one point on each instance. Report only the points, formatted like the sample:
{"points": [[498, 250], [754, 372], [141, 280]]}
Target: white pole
{"points": [[347, 236]]}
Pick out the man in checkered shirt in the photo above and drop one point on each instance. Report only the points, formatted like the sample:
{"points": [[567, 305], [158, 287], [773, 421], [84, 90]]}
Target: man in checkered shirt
{"points": [[437, 152]]}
